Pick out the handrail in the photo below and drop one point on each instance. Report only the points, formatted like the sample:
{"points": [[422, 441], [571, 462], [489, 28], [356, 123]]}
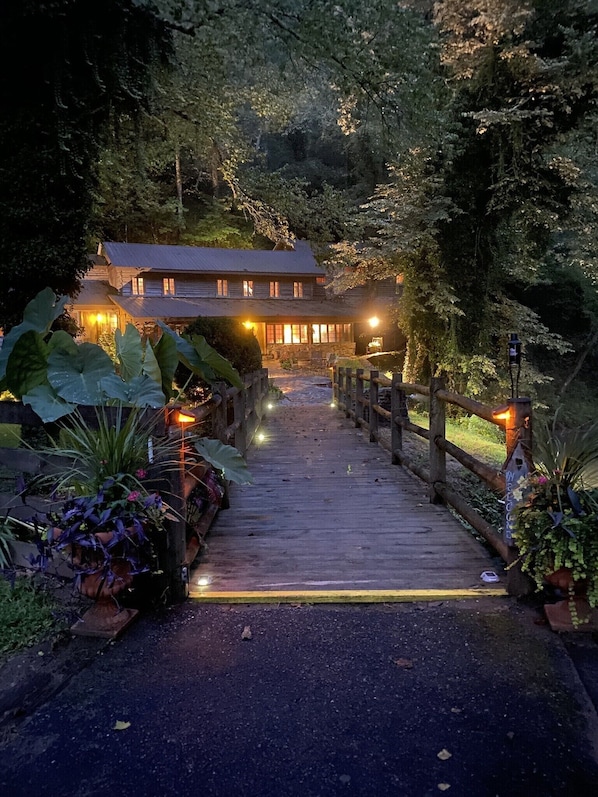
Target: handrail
{"points": [[365, 410]]}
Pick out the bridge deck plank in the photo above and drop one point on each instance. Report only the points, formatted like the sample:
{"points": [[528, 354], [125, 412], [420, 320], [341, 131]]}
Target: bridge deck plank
{"points": [[328, 509]]}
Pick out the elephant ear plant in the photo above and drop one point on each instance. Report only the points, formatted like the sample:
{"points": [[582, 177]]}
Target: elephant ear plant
{"points": [[112, 520], [54, 374]]}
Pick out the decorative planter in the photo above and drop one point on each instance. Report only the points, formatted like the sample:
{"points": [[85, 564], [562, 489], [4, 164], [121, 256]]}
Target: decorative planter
{"points": [[102, 584], [573, 613]]}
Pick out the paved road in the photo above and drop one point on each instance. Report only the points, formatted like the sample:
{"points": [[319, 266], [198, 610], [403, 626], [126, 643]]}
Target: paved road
{"points": [[472, 699]]}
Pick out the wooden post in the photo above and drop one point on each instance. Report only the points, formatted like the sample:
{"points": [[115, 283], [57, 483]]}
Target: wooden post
{"points": [[171, 481], [518, 464], [374, 417], [341, 397], [219, 419], [397, 397], [239, 418], [437, 430], [358, 397], [349, 392]]}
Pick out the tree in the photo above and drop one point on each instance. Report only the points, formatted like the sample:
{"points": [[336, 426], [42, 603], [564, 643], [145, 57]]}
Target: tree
{"points": [[80, 61], [477, 214]]}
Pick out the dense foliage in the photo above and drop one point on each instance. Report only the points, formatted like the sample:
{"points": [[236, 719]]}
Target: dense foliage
{"points": [[452, 143]]}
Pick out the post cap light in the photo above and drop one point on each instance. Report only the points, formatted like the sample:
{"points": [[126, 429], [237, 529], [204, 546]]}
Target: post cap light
{"points": [[179, 416], [502, 413]]}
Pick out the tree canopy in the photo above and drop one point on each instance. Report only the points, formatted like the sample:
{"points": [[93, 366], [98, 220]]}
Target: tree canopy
{"points": [[452, 143]]}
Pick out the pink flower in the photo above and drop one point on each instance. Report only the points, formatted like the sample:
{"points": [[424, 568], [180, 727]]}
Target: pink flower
{"points": [[134, 495], [141, 474], [542, 480]]}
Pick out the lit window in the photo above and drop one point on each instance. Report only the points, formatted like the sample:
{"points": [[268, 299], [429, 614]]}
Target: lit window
{"points": [[137, 286], [168, 286], [320, 280], [247, 287], [274, 289], [274, 333], [298, 290], [222, 287]]}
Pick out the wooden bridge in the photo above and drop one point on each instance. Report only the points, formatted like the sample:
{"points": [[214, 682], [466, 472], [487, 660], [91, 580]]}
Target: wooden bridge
{"points": [[329, 518]]}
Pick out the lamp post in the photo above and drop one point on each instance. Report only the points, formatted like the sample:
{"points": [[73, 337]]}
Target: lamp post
{"points": [[514, 363], [517, 417]]}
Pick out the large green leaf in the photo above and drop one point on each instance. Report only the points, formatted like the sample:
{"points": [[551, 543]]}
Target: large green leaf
{"points": [[167, 357], [218, 364], [188, 354], [151, 366], [129, 351], [27, 365], [38, 316], [76, 375], [42, 311], [45, 402], [141, 391], [224, 458]]}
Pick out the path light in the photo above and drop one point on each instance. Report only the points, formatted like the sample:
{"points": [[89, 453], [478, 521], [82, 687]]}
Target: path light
{"points": [[184, 418], [260, 437], [204, 581]]}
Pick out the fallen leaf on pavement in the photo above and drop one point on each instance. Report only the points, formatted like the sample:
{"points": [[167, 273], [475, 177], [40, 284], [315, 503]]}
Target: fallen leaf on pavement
{"points": [[444, 755], [119, 725], [405, 664], [246, 633], [444, 786]]}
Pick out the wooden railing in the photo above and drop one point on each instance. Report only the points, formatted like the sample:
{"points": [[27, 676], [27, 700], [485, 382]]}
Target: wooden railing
{"points": [[357, 394], [231, 415]]}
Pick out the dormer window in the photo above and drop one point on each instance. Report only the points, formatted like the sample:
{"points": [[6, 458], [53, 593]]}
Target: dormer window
{"points": [[298, 290], [274, 290], [247, 288], [168, 286], [137, 286]]}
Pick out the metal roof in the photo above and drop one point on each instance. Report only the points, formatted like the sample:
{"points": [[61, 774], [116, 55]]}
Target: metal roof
{"points": [[252, 309], [201, 259], [94, 293]]}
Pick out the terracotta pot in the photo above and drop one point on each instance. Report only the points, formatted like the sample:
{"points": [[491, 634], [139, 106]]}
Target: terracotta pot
{"points": [[563, 579], [574, 613]]}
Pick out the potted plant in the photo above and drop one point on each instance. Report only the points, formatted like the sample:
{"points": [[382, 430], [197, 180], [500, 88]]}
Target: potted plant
{"points": [[111, 523], [556, 523]]}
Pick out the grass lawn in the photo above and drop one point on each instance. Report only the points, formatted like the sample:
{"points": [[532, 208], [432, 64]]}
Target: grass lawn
{"points": [[479, 438]]}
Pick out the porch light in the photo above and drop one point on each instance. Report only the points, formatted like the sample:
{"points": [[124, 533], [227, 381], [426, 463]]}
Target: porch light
{"points": [[374, 321], [99, 318], [248, 324]]}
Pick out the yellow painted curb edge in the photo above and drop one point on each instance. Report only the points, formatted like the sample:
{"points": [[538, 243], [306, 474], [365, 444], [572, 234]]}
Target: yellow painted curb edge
{"points": [[344, 596]]}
